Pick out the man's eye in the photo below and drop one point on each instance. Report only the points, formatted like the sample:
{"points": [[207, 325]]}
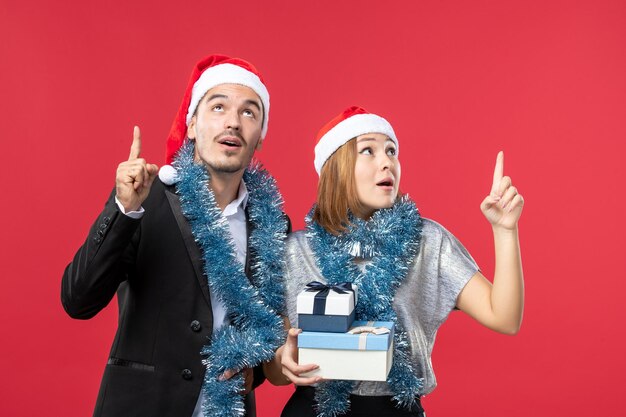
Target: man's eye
{"points": [[218, 107], [248, 113]]}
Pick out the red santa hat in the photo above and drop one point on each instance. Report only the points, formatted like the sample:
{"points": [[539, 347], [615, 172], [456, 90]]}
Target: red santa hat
{"points": [[350, 123], [209, 72]]}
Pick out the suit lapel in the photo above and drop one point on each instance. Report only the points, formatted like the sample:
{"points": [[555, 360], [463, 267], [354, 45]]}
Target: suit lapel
{"points": [[195, 255], [249, 250]]}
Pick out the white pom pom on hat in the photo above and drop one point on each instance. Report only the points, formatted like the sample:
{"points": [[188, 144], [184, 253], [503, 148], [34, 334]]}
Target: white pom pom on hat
{"points": [[168, 175], [209, 72], [350, 123]]}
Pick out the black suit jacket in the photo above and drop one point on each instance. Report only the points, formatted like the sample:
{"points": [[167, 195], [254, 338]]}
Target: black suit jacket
{"points": [[165, 314]]}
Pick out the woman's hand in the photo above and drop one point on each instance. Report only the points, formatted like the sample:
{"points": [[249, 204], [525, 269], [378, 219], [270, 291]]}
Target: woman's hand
{"points": [[499, 306], [289, 361], [503, 206], [248, 377]]}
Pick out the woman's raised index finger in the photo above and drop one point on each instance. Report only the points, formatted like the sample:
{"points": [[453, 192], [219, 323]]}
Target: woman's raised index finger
{"points": [[498, 172]]}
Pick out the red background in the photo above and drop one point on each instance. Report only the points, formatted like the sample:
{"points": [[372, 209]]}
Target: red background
{"points": [[542, 80]]}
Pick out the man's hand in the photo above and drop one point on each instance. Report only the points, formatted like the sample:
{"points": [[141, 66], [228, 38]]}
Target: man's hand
{"points": [[248, 375], [134, 177], [503, 206]]}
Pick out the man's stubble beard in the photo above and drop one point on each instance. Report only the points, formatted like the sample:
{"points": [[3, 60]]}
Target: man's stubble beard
{"points": [[224, 168]]}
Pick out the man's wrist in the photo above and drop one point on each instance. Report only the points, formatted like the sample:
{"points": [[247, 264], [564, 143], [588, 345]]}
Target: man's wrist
{"points": [[133, 214]]}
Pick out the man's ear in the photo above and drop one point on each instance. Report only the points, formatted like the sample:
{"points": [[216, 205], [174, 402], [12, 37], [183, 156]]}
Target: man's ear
{"points": [[259, 145], [191, 129]]}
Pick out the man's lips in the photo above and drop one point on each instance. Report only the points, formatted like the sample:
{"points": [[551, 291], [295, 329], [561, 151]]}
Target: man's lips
{"points": [[230, 141]]}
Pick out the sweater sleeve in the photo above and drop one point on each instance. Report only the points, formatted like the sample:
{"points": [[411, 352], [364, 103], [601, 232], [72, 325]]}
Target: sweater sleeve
{"points": [[444, 271]]}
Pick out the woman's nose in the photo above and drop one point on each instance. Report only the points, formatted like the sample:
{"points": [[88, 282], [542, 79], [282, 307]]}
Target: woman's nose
{"points": [[386, 162]]}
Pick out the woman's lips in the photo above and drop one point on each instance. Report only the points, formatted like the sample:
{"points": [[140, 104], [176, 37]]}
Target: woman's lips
{"points": [[387, 182]]}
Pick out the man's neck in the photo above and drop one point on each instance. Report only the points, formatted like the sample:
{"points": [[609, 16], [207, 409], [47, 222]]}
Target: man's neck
{"points": [[225, 187]]}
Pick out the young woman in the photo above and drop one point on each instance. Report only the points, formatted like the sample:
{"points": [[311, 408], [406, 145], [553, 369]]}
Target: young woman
{"points": [[408, 269]]}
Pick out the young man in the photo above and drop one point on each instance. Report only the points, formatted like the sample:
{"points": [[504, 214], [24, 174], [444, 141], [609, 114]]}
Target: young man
{"points": [[194, 256]]}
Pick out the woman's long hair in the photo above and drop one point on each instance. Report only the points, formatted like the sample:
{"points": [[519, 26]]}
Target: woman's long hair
{"points": [[336, 190]]}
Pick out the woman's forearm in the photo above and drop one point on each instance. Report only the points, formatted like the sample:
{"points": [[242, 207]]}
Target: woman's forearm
{"points": [[507, 294]]}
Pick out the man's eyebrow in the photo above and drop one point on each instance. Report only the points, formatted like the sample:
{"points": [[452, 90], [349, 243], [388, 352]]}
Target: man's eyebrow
{"points": [[253, 103], [214, 96], [249, 102]]}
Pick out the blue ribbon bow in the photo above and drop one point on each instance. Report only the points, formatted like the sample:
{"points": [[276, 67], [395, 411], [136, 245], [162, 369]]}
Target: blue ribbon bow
{"points": [[319, 303]]}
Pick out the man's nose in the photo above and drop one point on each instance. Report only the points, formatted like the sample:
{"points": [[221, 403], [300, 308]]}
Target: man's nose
{"points": [[232, 120]]}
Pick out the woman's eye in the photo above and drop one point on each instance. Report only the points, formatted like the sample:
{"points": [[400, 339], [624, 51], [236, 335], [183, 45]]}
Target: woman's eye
{"points": [[218, 107], [366, 151], [391, 151]]}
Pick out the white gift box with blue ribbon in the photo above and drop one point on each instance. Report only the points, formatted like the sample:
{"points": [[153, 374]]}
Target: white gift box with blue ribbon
{"points": [[326, 308], [364, 353]]}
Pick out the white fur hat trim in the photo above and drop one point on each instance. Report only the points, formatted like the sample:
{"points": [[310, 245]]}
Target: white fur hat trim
{"points": [[229, 74], [353, 126]]}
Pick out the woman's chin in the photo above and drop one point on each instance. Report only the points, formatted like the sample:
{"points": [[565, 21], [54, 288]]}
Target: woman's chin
{"points": [[369, 210]]}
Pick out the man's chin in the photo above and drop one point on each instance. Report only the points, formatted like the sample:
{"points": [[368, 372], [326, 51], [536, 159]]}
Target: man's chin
{"points": [[226, 168]]}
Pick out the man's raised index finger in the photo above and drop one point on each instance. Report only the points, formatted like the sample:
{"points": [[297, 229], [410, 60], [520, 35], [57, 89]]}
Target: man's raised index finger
{"points": [[498, 172], [135, 148]]}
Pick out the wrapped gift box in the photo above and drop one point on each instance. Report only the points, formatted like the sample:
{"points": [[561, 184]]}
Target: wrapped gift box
{"points": [[355, 355], [323, 308]]}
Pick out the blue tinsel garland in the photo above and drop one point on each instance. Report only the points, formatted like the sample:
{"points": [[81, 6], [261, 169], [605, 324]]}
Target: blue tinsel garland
{"points": [[391, 238], [256, 329]]}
